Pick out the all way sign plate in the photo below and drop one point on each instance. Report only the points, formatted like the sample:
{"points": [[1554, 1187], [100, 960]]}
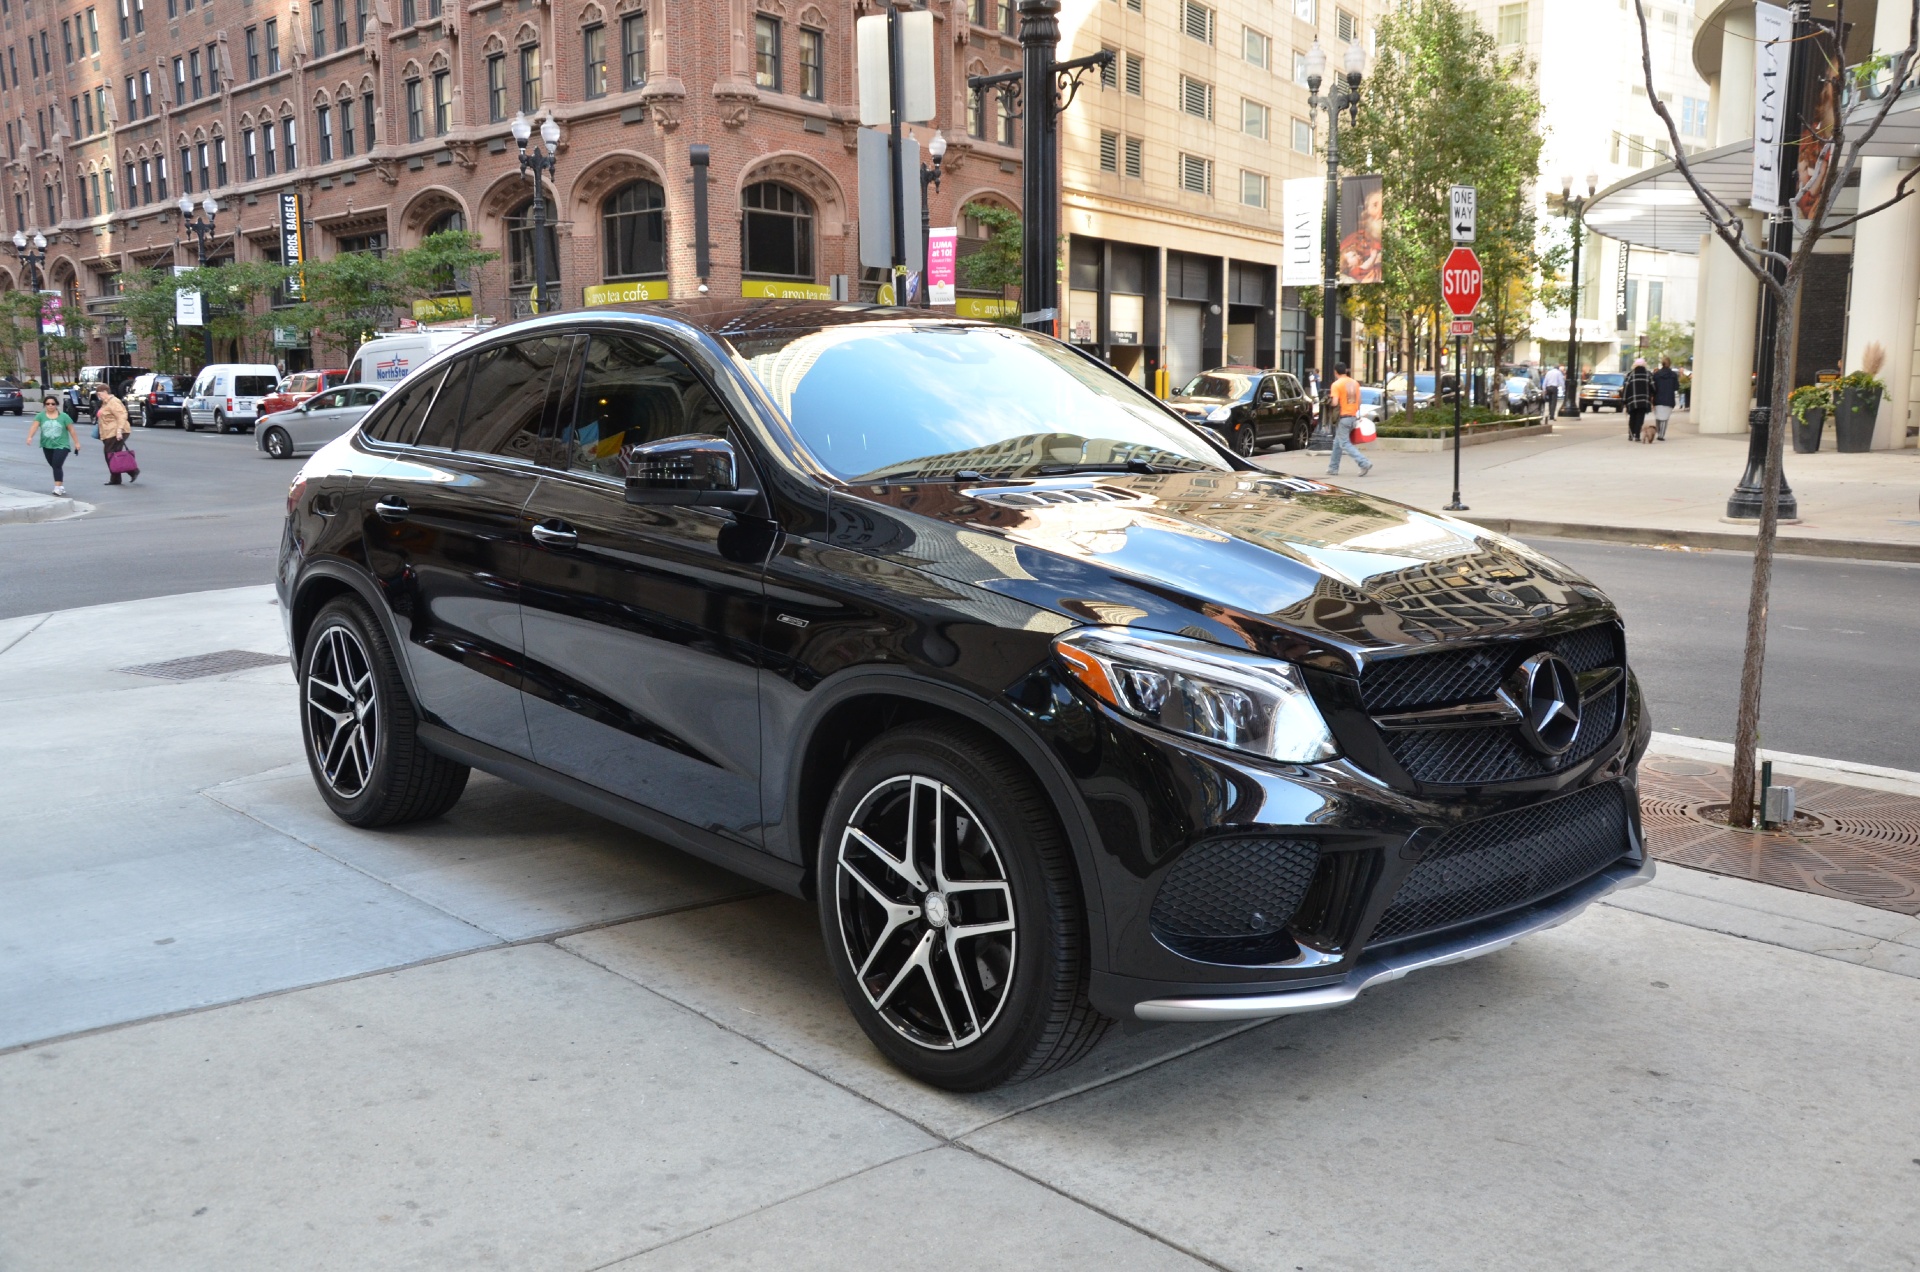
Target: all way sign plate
{"points": [[1460, 327]]}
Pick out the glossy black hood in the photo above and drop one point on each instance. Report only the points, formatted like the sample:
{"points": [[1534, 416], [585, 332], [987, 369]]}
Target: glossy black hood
{"points": [[1287, 566]]}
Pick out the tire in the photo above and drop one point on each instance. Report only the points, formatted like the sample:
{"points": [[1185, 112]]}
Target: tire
{"points": [[360, 730], [1243, 440], [220, 422], [277, 444], [1021, 1008]]}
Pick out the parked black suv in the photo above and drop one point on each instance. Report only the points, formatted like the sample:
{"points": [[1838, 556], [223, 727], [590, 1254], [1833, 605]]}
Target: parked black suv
{"points": [[1251, 408], [1060, 712]]}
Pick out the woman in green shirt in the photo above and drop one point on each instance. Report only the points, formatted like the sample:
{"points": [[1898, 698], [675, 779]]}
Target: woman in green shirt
{"points": [[53, 429]]}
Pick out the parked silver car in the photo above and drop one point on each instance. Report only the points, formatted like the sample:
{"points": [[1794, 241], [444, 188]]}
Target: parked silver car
{"points": [[316, 421]]}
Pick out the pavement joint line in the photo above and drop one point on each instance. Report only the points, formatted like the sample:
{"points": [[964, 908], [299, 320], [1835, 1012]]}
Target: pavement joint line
{"points": [[545, 938], [23, 635], [1829, 954]]}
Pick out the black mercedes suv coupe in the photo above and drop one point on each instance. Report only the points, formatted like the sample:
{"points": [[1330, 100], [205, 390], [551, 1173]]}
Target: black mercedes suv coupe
{"points": [[1061, 712]]}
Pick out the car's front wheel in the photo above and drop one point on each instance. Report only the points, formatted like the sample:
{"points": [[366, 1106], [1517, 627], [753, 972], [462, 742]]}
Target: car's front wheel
{"points": [[952, 913], [1243, 439], [361, 729], [219, 422], [277, 444]]}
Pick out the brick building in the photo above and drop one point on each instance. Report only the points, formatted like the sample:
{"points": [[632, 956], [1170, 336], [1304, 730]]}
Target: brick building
{"points": [[390, 117]]}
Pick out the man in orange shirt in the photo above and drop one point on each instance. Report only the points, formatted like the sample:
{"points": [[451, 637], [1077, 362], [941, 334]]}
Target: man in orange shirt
{"points": [[1345, 396]]}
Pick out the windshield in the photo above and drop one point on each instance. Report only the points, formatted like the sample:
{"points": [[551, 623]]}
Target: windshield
{"points": [[880, 401], [1371, 395], [1609, 377], [1215, 384], [1423, 382]]}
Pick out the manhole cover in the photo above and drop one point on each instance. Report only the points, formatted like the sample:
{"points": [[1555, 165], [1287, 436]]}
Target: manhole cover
{"points": [[1677, 768], [1868, 885], [199, 665]]}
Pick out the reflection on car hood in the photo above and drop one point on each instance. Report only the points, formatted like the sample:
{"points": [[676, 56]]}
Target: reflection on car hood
{"points": [[1205, 402], [1283, 565]]}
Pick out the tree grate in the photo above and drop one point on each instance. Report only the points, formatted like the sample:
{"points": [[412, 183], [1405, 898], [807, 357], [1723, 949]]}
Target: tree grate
{"points": [[198, 665]]}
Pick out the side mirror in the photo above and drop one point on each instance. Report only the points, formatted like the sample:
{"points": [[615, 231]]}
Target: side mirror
{"points": [[687, 472]]}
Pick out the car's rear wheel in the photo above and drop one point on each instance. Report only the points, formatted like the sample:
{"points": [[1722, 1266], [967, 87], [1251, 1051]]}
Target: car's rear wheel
{"points": [[277, 444], [952, 913], [360, 727]]}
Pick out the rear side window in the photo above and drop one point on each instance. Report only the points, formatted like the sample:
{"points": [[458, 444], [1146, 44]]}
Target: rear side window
{"points": [[509, 396], [442, 428], [362, 397], [406, 407], [632, 392], [254, 385]]}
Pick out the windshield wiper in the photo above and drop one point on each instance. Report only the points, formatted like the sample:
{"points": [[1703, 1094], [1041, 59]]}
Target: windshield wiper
{"points": [[1130, 466]]}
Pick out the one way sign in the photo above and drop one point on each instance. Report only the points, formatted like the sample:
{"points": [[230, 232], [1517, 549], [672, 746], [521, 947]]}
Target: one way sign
{"points": [[1462, 201]]}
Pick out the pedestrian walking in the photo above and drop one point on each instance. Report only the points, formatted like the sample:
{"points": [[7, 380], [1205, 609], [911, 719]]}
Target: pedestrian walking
{"points": [[1666, 395], [1551, 383], [110, 418], [53, 429], [1637, 393], [1345, 396]]}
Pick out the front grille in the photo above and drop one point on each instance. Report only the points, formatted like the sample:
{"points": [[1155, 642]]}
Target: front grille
{"points": [[1229, 900], [1487, 867], [1495, 753]]}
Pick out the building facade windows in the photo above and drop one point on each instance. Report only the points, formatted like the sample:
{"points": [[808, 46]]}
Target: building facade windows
{"points": [[1254, 119], [346, 127], [1253, 189], [1197, 21], [633, 227], [1196, 174], [442, 102], [1196, 98], [416, 110], [319, 28], [1136, 75], [1257, 49], [530, 78], [776, 232], [633, 50], [290, 142], [1303, 136], [273, 46], [497, 87], [253, 53], [323, 132], [813, 75], [1132, 160], [269, 153], [766, 53], [593, 52], [520, 255], [249, 154]]}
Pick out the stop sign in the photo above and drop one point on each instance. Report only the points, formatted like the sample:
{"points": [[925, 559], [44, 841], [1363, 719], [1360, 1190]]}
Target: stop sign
{"points": [[1460, 281]]}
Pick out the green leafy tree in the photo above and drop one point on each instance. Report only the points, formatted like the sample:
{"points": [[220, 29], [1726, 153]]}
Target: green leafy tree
{"points": [[235, 301], [995, 266], [352, 295], [147, 308], [1660, 338], [20, 335]]}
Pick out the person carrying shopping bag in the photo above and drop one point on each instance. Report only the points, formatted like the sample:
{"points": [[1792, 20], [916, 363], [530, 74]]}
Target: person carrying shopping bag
{"points": [[53, 429], [113, 428], [1345, 399]]}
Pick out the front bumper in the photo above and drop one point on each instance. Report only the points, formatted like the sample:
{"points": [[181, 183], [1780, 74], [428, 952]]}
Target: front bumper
{"points": [[1390, 965]]}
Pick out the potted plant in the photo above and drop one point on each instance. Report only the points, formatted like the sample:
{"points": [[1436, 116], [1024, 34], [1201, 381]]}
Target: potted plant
{"points": [[1856, 402], [1809, 404]]}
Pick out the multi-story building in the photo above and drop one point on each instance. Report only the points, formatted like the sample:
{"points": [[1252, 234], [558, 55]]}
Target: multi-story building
{"points": [[391, 119], [1172, 163]]}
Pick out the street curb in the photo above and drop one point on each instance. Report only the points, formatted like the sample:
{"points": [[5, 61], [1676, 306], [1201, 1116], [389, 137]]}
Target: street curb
{"points": [[1844, 772], [50, 508], [1722, 540]]}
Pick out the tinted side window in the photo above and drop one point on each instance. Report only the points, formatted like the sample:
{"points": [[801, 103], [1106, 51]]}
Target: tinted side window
{"points": [[632, 392], [406, 406], [326, 402], [442, 428], [362, 397], [509, 396]]}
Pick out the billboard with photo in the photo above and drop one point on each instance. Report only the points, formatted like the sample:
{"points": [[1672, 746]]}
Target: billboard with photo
{"points": [[1362, 230]]}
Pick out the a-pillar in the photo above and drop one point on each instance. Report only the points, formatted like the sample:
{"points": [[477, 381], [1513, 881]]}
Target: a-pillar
{"points": [[1886, 257], [1727, 300]]}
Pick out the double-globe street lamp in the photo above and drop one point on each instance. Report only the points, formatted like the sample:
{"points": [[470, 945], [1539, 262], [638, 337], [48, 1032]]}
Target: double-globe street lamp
{"points": [[34, 259], [535, 164], [929, 180], [1576, 206], [202, 229], [1341, 95]]}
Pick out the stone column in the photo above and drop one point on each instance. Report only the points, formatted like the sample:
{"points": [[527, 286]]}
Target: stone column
{"points": [[1727, 298]]}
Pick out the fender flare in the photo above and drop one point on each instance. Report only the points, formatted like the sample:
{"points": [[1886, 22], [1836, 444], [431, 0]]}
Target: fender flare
{"points": [[999, 721], [364, 585]]}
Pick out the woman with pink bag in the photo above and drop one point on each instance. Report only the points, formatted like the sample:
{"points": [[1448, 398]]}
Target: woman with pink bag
{"points": [[110, 418]]}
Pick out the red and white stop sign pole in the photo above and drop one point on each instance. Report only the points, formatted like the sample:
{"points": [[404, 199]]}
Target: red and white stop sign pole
{"points": [[1460, 288]]}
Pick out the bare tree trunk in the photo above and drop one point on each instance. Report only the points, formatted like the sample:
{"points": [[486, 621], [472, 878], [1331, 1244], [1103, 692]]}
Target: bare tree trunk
{"points": [[1746, 740]]}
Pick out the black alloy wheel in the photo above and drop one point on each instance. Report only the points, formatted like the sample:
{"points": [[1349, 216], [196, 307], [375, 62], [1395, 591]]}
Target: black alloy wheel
{"points": [[951, 911], [361, 729], [1244, 443], [277, 444]]}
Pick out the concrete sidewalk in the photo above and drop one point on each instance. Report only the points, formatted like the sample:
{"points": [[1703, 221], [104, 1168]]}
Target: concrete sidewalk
{"points": [[1586, 480], [240, 1034], [29, 505]]}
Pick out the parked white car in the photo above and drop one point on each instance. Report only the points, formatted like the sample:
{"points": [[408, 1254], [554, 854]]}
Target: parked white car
{"points": [[316, 421], [226, 396]]}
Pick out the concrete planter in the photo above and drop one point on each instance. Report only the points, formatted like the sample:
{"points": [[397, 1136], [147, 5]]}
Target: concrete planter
{"points": [[1853, 418], [1479, 438], [1806, 433]]}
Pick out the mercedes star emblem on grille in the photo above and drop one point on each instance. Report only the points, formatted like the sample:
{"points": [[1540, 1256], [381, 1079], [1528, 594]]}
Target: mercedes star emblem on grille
{"points": [[1548, 695], [1500, 596]]}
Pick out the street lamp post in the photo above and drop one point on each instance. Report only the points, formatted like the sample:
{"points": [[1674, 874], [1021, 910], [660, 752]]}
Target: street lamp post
{"points": [[929, 179], [202, 229], [534, 163], [1576, 208], [1342, 95], [35, 259], [1048, 87]]}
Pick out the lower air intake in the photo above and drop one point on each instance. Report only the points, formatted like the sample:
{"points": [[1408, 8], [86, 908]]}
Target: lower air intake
{"points": [[1229, 900]]}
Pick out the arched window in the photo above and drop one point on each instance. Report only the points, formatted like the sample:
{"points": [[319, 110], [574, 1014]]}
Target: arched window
{"points": [[520, 233], [776, 231], [633, 225], [452, 219]]}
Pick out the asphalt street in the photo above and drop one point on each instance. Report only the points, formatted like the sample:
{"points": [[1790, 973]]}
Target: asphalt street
{"points": [[206, 513]]}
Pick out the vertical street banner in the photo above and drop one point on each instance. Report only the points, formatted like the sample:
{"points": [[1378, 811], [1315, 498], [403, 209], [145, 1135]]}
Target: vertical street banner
{"points": [[292, 241], [186, 304], [1772, 50], [1302, 202], [943, 256], [53, 318], [1819, 122], [1363, 216], [1621, 317]]}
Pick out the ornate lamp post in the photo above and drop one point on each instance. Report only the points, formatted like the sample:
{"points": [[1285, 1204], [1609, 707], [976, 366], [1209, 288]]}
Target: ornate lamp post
{"points": [[34, 259], [1576, 205], [534, 164], [202, 229], [1341, 95], [929, 178]]}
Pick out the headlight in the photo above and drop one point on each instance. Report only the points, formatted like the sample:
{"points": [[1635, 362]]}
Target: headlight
{"points": [[1200, 690], [1219, 415]]}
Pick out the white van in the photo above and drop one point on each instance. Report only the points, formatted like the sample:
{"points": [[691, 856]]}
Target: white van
{"points": [[389, 358], [227, 395]]}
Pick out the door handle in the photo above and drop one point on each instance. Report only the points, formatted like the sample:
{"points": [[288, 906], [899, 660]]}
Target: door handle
{"points": [[556, 535], [392, 508]]}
